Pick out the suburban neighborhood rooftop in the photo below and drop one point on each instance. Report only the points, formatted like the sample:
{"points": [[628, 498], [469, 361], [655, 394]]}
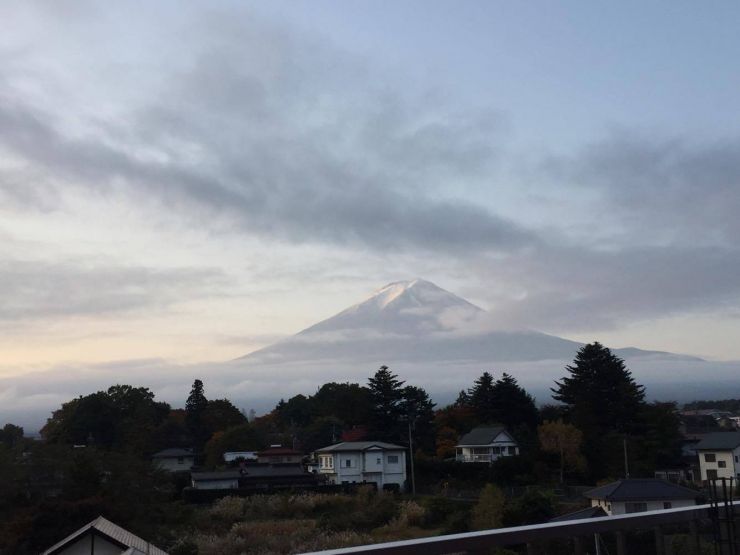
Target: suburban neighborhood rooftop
{"points": [[481, 436], [359, 446], [719, 440], [641, 489]]}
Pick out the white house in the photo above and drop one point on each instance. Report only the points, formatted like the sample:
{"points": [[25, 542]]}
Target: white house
{"points": [[352, 462], [102, 537], [638, 495], [174, 460], [486, 444], [719, 455], [231, 456]]}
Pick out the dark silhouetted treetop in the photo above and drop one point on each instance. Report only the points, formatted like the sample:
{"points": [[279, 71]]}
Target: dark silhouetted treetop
{"points": [[512, 405], [599, 391], [481, 398], [386, 394]]}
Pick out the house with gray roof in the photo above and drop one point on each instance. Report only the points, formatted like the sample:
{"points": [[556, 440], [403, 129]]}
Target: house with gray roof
{"points": [[636, 495], [486, 444], [102, 537], [176, 459], [352, 462], [719, 455]]}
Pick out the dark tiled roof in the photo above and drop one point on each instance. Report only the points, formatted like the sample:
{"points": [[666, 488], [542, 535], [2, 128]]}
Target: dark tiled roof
{"points": [[217, 475], [173, 452], [112, 531], [641, 489], [360, 446], [590, 512], [481, 436], [720, 440]]}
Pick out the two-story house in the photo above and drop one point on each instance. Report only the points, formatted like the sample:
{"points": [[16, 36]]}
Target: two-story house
{"points": [[719, 455], [486, 444], [352, 462]]}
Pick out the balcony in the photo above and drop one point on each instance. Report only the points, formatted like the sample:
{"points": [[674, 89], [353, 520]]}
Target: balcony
{"points": [[578, 536], [476, 458]]}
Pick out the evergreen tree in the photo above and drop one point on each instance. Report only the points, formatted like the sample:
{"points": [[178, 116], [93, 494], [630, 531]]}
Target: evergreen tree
{"points": [[481, 398], [418, 409], [195, 407], [386, 394], [603, 401], [512, 406]]}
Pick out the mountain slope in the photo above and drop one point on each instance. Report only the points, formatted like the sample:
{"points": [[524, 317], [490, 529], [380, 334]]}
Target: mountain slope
{"points": [[417, 321]]}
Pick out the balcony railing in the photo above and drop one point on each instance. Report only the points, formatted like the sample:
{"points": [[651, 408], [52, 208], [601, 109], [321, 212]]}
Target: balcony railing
{"points": [[477, 458], [578, 533]]}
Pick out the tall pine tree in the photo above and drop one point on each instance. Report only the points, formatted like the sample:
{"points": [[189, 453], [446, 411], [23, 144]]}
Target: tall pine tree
{"points": [[481, 399], [603, 401], [386, 394], [512, 405]]}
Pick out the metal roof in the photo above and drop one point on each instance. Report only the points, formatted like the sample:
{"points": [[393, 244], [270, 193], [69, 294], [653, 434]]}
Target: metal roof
{"points": [[173, 452], [720, 440], [132, 544], [361, 446], [482, 435], [641, 489]]}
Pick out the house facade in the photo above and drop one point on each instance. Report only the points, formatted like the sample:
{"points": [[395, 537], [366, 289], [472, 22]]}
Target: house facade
{"points": [[719, 455], [174, 460], [353, 462], [486, 445], [639, 495]]}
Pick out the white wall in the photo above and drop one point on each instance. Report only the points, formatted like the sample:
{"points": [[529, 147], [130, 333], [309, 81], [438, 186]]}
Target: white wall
{"points": [[728, 457], [619, 508]]}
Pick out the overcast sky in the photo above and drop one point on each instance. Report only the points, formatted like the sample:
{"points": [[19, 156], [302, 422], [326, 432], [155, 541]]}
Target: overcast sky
{"points": [[190, 182]]}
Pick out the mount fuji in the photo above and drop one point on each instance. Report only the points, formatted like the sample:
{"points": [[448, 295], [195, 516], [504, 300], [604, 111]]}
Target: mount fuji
{"points": [[417, 321]]}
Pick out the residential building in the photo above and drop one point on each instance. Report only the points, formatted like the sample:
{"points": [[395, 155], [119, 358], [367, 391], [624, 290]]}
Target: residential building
{"points": [[255, 476], [638, 495], [220, 479], [232, 456], [352, 462], [486, 444], [174, 460], [102, 537], [719, 455], [278, 454]]}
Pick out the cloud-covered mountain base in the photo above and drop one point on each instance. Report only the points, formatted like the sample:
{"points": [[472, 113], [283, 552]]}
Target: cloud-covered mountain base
{"points": [[428, 336]]}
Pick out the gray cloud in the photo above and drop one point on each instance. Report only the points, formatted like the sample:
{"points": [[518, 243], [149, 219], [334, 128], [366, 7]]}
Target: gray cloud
{"points": [[252, 133], [35, 290]]}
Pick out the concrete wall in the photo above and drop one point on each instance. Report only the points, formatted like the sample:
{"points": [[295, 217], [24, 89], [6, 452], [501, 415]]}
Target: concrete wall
{"points": [[728, 457], [620, 508]]}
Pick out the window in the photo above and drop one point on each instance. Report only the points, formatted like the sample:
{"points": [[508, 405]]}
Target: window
{"points": [[496, 450], [737, 459], [667, 504], [709, 457], [378, 460], [721, 464], [392, 459], [512, 450], [711, 474], [347, 463], [180, 460], [635, 507]]}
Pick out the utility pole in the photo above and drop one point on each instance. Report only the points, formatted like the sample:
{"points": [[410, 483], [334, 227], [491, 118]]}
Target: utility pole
{"points": [[626, 462], [411, 454]]}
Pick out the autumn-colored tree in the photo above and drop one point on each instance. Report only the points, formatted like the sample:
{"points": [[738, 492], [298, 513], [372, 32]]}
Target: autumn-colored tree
{"points": [[489, 510], [564, 440], [445, 442]]}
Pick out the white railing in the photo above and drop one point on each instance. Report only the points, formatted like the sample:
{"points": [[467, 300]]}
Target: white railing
{"points": [[578, 531]]}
